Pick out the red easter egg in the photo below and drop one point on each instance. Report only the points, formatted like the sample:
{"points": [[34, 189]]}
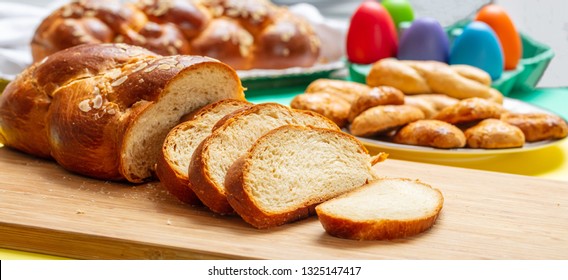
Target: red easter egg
{"points": [[371, 35]]}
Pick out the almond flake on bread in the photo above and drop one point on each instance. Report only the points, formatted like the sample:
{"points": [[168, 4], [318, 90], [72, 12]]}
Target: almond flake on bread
{"points": [[232, 139], [382, 209], [291, 169], [181, 142]]}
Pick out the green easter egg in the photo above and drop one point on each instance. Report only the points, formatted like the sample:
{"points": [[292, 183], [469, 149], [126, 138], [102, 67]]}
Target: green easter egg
{"points": [[399, 10]]}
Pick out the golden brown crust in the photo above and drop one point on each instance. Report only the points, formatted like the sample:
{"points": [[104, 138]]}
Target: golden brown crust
{"points": [[27, 99], [347, 90], [78, 105], [240, 196], [494, 134], [469, 110], [326, 104], [213, 196], [177, 184], [381, 95], [390, 72], [425, 106], [201, 181], [537, 126], [343, 227], [170, 178], [420, 77], [25, 129], [439, 101], [441, 78], [380, 119], [472, 73], [242, 203], [275, 49], [245, 34], [203, 186], [385, 230], [431, 133]]}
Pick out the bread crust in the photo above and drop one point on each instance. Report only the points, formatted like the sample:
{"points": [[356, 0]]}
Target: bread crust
{"points": [[89, 99], [381, 119], [390, 72], [382, 229], [381, 95], [470, 110], [245, 34], [177, 184], [346, 90], [202, 185], [494, 134], [171, 178], [241, 202], [421, 77], [239, 194], [537, 126], [201, 181], [423, 105], [472, 73], [431, 133], [326, 104]]}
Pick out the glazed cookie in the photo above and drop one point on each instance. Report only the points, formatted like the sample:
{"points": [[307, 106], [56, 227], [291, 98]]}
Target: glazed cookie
{"points": [[327, 104], [431, 133], [345, 89], [381, 119], [494, 134], [469, 110], [538, 126], [381, 95], [425, 106]]}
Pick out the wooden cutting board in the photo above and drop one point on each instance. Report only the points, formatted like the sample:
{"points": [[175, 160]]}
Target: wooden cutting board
{"points": [[486, 215]]}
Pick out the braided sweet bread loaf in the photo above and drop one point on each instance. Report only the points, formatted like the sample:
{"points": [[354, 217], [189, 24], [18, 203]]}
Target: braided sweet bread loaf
{"points": [[423, 77], [245, 34], [103, 110]]}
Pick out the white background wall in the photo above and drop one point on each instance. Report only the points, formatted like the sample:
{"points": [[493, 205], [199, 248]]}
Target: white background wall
{"points": [[547, 22], [544, 20]]}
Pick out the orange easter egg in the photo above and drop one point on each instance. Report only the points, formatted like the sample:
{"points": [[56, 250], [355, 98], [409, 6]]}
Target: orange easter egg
{"points": [[510, 40]]}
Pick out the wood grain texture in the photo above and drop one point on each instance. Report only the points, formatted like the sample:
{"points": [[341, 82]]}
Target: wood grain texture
{"points": [[486, 215]]}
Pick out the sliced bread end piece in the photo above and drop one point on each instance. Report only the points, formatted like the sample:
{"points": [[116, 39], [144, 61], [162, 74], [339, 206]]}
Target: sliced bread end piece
{"points": [[180, 143], [383, 209], [291, 169]]}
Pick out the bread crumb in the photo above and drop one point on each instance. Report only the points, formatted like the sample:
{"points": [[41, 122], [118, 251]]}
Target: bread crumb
{"points": [[168, 222], [79, 212]]}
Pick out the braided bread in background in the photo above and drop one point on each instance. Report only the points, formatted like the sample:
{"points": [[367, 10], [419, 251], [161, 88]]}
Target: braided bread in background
{"points": [[245, 34], [421, 77]]}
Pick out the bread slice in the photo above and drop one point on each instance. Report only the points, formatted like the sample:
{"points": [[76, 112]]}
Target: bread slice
{"points": [[181, 142], [383, 209], [291, 169], [195, 86], [232, 139]]}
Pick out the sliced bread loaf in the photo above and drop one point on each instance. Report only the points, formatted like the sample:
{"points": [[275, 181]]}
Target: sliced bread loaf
{"points": [[180, 143], [291, 169], [233, 138], [383, 209]]}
